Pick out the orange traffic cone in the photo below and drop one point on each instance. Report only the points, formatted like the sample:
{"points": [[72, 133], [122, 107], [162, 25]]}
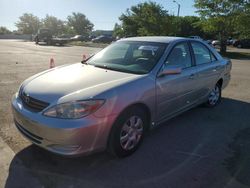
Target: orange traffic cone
{"points": [[84, 57], [52, 63]]}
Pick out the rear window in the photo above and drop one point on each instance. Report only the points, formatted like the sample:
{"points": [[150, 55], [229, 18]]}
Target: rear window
{"points": [[202, 54]]}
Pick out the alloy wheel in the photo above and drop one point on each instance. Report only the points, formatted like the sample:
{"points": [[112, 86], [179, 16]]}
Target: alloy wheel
{"points": [[131, 133], [214, 96]]}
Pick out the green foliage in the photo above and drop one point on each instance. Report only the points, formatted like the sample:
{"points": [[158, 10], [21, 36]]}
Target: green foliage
{"points": [[56, 25], [147, 19], [188, 26], [118, 31], [4, 30], [28, 23], [80, 24], [77, 23], [242, 23], [144, 19], [219, 16]]}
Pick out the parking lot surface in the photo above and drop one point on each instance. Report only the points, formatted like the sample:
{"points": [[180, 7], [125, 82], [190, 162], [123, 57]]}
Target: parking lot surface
{"points": [[200, 148]]}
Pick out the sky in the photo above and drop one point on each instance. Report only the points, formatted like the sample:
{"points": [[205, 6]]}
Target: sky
{"points": [[102, 13]]}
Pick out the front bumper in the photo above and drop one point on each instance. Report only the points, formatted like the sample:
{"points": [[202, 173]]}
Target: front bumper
{"points": [[62, 136]]}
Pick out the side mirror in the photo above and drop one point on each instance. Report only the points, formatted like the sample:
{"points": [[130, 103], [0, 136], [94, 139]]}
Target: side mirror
{"points": [[169, 70]]}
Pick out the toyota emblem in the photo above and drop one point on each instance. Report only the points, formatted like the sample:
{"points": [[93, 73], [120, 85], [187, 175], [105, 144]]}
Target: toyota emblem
{"points": [[27, 98]]}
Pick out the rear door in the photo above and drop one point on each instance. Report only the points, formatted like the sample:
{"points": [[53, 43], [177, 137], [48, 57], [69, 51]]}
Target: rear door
{"points": [[207, 66], [175, 92]]}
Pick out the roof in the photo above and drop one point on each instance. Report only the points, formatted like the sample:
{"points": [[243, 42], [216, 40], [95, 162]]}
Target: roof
{"points": [[161, 39]]}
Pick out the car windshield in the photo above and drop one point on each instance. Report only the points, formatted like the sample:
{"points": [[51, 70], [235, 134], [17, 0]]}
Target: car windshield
{"points": [[129, 56]]}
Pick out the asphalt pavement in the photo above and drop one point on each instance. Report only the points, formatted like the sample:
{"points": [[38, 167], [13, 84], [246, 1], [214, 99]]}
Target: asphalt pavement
{"points": [[201, 148]]}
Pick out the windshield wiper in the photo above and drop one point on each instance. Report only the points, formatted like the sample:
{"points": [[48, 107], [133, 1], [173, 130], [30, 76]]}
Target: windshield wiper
{"points": [[102, 66], [108, 68]]}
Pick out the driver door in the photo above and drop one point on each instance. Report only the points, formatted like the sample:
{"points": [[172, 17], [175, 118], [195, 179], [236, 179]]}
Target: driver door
{"points": [[176, 92]]}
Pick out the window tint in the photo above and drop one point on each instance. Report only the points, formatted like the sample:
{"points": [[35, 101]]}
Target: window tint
{"points": [[180, 56], [202, 54], [213, 58]]}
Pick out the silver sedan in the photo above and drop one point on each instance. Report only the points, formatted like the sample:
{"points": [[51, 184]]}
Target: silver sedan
{"points": [[110, 100]]}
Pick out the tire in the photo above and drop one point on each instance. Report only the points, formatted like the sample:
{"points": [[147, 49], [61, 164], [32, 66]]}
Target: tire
{"points": [[214, 97], [127, 132]]}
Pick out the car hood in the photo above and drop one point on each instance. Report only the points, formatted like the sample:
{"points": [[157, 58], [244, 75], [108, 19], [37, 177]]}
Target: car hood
{"points": [[88, 80]]}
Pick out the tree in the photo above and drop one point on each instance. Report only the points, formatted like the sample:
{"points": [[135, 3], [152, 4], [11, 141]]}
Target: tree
{"points": [[219, 15], [118, 31], [80, 23], [28, 23], [188, 26], [56, 25], [144, 19], [4, 30], [242, 28]]}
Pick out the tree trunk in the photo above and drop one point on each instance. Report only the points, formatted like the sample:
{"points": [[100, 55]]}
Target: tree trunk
{"points": [[223, 42], [223, 47]]}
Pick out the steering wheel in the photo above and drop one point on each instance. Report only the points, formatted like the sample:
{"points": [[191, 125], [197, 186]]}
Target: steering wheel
{"points": [[141, 60]]}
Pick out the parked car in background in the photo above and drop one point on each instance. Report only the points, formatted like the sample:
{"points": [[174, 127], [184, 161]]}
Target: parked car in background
{"points": [[216, 43], [110, 100], [230, 41], [195, 37], [103, 39], [81, 38], [45, 35], [243, 43]]}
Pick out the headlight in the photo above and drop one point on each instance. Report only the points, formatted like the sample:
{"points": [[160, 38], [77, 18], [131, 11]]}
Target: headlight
{"points": [[74, 110]]}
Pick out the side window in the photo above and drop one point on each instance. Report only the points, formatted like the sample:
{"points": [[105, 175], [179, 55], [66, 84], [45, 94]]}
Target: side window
{"points": [[213, 58], [180, 56], [202, 54]]}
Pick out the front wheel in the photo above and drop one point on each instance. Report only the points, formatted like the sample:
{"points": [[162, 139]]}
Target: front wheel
{"points": [[128, 132], [214, 97]]}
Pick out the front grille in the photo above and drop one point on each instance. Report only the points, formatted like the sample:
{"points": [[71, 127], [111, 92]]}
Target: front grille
{"points": [[31, 136], [33, 104]]}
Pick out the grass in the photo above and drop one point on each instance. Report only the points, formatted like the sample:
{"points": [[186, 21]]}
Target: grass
{"points": [[88, 44]]}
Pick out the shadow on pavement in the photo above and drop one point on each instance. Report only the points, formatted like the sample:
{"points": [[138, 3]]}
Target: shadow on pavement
{"points": [[191, 150], [237, 55]]}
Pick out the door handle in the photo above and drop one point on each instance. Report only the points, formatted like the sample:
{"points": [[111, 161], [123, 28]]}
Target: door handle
{"points": [[191, 76], [216, 68]]}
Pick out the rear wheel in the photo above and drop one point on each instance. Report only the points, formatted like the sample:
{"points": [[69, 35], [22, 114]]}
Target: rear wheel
{"points": [[214, 97], [128, 132]]}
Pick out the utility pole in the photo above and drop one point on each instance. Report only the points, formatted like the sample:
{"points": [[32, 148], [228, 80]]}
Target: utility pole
{"points": [[179, 7]]}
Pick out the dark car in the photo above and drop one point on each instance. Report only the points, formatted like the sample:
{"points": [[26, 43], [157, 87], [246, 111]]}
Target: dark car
{"points": [[103, 39], [244, 43], [43, 35]]}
